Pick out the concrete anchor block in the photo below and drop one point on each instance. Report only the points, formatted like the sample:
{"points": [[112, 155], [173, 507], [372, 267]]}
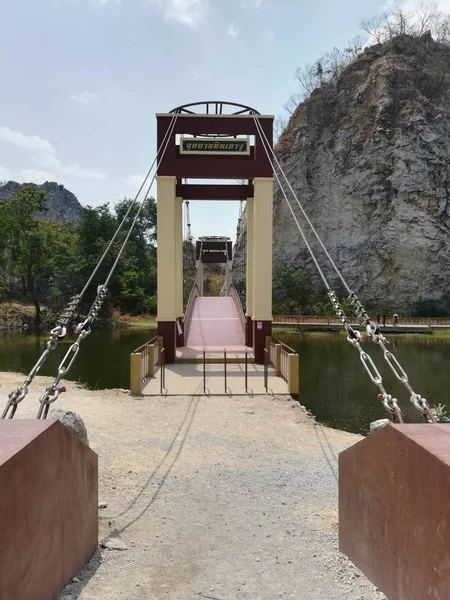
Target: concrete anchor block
{"points": [[394, 523], [48, 513]]}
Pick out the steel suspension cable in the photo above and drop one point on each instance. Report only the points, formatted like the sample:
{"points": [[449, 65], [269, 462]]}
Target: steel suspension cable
{"points": [[82, 330], [60, 330], [373, 331], [353, 337]]}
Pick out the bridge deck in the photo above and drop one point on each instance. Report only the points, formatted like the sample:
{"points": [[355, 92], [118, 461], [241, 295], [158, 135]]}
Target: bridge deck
{"points": [[215, 325]]}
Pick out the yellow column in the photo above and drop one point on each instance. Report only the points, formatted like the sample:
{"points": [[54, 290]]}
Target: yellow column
{"points": [[262, 249], [250, 255], [166, 251], [179, 255]]}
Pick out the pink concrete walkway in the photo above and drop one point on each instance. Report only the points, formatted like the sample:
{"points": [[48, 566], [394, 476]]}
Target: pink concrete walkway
{"points": [[215, 325]]}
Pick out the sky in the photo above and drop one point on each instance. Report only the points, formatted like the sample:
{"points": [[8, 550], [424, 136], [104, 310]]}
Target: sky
{"points": [[81, 80]]}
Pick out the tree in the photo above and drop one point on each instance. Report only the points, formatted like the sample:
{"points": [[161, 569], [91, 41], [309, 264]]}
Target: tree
{"points": [[427, 17], [35, 251], [291, 290]]}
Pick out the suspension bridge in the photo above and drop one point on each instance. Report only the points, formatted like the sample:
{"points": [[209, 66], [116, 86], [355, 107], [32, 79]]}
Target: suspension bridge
{"points": [[224, 345]]}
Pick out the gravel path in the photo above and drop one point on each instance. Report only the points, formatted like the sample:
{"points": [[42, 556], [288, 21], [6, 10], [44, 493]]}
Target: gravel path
{"points": [[218, 498]]}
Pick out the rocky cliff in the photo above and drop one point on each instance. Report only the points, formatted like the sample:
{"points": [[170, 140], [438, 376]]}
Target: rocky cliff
{"points": [[61, 205], [369, 159]]}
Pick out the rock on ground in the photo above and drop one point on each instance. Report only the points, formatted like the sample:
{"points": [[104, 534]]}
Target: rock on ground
{"points": [[72, 421]]}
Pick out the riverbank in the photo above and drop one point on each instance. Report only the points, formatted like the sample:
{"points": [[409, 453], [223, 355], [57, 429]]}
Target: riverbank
{"points": [[324, 330], [213, 498], [21, 317]]}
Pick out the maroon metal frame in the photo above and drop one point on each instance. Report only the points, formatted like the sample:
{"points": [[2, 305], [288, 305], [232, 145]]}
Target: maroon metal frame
{"points": [[257, 164], [195, 191]]}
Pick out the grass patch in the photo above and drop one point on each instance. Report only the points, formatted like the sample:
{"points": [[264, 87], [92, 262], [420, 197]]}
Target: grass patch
{"points": [[135, 320]]}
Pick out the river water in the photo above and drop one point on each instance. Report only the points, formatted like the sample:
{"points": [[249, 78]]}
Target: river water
{"points": [[333, 383]]}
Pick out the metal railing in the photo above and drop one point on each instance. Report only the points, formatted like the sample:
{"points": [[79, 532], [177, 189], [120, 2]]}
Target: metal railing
{"points": [[284, 364], [195, 293], [333, 320], [233, 294], [225, 363], [143, 362]]}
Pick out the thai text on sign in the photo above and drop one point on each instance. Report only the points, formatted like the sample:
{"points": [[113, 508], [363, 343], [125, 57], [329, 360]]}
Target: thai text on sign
{"points": [[214, 146]]}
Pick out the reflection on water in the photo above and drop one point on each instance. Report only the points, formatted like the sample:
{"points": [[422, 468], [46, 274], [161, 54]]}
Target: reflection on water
{"points": [[102, 362], [333, 382], [338, 391]]}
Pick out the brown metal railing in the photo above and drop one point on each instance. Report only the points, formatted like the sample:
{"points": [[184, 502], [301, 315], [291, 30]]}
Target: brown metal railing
{"points": [[333, 320]]}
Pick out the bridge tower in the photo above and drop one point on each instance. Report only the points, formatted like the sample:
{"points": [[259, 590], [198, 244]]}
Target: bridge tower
{"points": [[214, 141]]}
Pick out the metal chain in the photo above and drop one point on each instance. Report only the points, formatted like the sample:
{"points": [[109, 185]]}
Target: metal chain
{"points": [[355, 338], [82, 330], [59, 332], [378, 338]]}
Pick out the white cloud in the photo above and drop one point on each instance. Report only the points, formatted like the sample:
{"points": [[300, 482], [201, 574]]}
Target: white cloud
{"points": [[185, 12], [257, 3], [232, 31], [43, 153], [268, 37], [85, 97], [33, 176], [31, 143], [5, 174]]}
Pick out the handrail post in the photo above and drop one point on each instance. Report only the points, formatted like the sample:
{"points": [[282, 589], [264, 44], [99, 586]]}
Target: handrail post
{"points": [[204, 371], [151, 361], [246, 371], [266, 370], [225, 367], [163, 370]]}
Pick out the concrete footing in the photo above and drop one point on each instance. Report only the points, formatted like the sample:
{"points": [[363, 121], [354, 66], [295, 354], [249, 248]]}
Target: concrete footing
{"points": [[48, 507], [394, 490]]}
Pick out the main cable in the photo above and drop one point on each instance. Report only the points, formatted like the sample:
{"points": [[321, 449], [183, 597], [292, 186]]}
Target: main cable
{"points": [[60, 330], [83, 329], [373, 332], [353, 337]]}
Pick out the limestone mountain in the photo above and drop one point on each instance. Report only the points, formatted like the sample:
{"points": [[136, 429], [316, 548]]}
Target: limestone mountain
{"points": [[369, 157], [61, 205]]}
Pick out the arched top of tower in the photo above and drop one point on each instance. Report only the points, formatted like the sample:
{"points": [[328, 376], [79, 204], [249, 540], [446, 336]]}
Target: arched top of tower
{"points": [[215, 107]]}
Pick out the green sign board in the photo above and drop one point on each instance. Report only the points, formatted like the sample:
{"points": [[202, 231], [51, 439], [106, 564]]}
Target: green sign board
{"points": [[212, 146]]}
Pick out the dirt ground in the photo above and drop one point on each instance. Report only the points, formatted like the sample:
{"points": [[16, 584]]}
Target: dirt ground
{"points": [[218, 498]]}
